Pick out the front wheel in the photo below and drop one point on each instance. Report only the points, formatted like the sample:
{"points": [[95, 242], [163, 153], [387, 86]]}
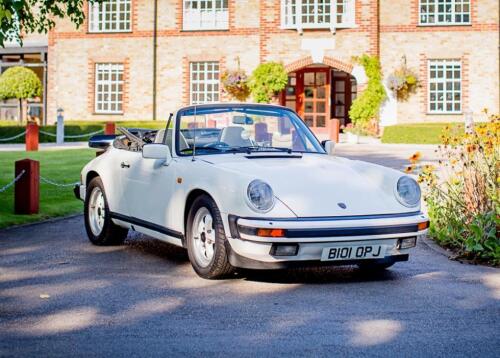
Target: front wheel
{"points": [[100, 228], [205, 240]]}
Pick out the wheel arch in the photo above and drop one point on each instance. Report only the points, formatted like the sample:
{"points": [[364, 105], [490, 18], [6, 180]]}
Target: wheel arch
{"points": [[193, 194], [90, 175]]}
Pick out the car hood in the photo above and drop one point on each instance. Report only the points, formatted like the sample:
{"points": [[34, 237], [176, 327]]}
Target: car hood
{"points": [[315, 185]]}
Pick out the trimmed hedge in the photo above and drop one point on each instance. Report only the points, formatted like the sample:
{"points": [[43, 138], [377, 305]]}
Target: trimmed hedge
{"points": [[70, 128]]}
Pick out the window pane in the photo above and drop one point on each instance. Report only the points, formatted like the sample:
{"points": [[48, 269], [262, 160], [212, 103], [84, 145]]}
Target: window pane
{"points": [[444, 92], [110, 16], [109, 87], [204, 82]]}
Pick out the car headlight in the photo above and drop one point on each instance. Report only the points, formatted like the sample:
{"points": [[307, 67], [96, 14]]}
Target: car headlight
{"points": [[260, 196], [408, 191]]}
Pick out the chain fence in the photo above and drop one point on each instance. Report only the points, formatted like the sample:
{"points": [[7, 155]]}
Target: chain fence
{"points": [[42, 179], [13, 181], [74, 136], [12, 138], [60, 185]]}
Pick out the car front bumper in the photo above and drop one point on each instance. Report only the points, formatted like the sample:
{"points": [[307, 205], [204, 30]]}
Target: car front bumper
{"points": [[79, 191], [312, 236]]}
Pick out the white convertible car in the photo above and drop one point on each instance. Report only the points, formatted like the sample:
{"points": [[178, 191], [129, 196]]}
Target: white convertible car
{"points": [[248, 186]]}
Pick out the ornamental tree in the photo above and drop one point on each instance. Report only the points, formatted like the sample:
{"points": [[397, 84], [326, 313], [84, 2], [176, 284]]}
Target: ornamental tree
{"points": [[267, 80], [29, 16], [20, 83]]}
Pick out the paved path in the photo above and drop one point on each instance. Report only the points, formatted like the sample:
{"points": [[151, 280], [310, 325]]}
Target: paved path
{"points": [[390, 155], [143, 299]]}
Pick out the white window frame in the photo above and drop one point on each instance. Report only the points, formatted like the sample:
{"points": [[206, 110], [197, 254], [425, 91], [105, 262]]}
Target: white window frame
{"points": [[203, 18], [290, 20], [436, 13], [101, 19], [444, 81], [110, 68], [214, 81]]}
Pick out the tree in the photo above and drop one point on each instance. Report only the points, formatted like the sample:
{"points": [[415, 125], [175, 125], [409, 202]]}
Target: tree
{"points": [[28, 16], [21, 83], [268, 79]]}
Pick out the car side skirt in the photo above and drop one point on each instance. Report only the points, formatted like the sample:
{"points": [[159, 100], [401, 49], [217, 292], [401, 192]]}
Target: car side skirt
{"points": [[147, 225]]}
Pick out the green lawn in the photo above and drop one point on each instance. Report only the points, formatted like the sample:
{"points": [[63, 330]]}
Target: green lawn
{"points": [[61, 166], [417, 133]]}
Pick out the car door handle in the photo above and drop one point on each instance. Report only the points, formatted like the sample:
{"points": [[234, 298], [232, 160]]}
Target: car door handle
{"points": [[125, 165]]}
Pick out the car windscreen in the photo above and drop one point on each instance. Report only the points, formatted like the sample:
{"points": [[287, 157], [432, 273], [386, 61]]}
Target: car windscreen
{"points": [[228, 129]]}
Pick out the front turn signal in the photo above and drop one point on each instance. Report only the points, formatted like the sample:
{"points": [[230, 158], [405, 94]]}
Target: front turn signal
{"points": [[271, 232], [422, 226]]}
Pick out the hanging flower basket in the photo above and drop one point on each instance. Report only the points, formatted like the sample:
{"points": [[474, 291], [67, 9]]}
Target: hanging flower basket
{"points": [[403, 83], [235, 83]]}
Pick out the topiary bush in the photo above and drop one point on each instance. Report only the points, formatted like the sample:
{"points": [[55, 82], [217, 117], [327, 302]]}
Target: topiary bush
{"points": [[366, 107], [21, 83], [267, 81]]}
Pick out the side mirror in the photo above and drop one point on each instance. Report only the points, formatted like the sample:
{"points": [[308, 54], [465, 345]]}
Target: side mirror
{"points": [[157, 151], [329, 146]]}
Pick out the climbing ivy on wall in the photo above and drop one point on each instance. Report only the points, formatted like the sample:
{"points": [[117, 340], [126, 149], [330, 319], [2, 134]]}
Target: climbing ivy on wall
{"points": [[365, 107]]}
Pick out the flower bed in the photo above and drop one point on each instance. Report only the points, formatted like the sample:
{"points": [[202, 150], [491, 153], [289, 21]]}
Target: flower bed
{"points": [[463, 195]]}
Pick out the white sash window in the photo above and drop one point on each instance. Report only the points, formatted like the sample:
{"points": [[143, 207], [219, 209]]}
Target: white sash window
{"points": [[444, 12], [317, 14], [108, 88], [204, 82], [445, 86], [205, 15], [110, 16]]}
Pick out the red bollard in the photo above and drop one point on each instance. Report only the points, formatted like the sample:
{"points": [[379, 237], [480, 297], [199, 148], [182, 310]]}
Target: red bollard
{"points": [[32, 137], [334, 130], [27, 188], [110, 128]]}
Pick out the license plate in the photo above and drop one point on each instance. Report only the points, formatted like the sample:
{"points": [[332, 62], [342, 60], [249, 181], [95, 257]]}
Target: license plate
{"points": [[338, 253]]}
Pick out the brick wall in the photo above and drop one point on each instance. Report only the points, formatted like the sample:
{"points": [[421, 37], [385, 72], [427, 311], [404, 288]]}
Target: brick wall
{"points": [[385, 27]]}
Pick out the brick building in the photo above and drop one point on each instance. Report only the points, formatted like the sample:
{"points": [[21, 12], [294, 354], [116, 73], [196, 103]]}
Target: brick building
{"points": [[108, 68]]}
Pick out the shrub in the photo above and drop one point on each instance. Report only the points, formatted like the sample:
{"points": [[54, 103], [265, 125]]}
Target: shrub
{"points": [[267, 80], [20, 83], [463, 196], [365, 108]]}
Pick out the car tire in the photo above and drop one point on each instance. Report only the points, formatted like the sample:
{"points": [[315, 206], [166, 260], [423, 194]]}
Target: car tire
{"points": [[205, 240], [372, 266], [100, 228]]}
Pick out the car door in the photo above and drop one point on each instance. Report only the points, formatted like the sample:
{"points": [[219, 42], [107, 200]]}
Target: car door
{"points": [[148, 186]]}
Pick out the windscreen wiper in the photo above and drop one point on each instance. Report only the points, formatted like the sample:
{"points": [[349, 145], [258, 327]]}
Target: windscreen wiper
{"points": [[257, 148]]}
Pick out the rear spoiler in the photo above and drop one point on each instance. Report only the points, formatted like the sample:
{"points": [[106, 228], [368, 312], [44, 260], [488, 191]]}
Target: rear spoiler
{"points": [[101, 141]]}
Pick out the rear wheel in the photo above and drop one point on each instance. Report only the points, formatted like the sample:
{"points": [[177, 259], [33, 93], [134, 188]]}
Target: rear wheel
{"points": [[100, 229], [206, 240]]}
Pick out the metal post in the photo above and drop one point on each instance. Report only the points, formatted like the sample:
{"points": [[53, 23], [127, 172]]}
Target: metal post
{"points": [[27, 188], [60, 127], [32, 137], [334, 130]]}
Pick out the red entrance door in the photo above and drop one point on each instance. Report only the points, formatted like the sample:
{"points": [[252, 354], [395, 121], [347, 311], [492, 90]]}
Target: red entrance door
{"points": [[343, 93], [313, 97]]}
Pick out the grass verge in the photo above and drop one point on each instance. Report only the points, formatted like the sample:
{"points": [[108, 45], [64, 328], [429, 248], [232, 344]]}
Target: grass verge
{"points": [[62, 166], [416, 133]]}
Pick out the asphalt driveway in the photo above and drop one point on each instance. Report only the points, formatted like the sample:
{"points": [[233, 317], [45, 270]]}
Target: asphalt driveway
{"points": [[143, 299]]}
